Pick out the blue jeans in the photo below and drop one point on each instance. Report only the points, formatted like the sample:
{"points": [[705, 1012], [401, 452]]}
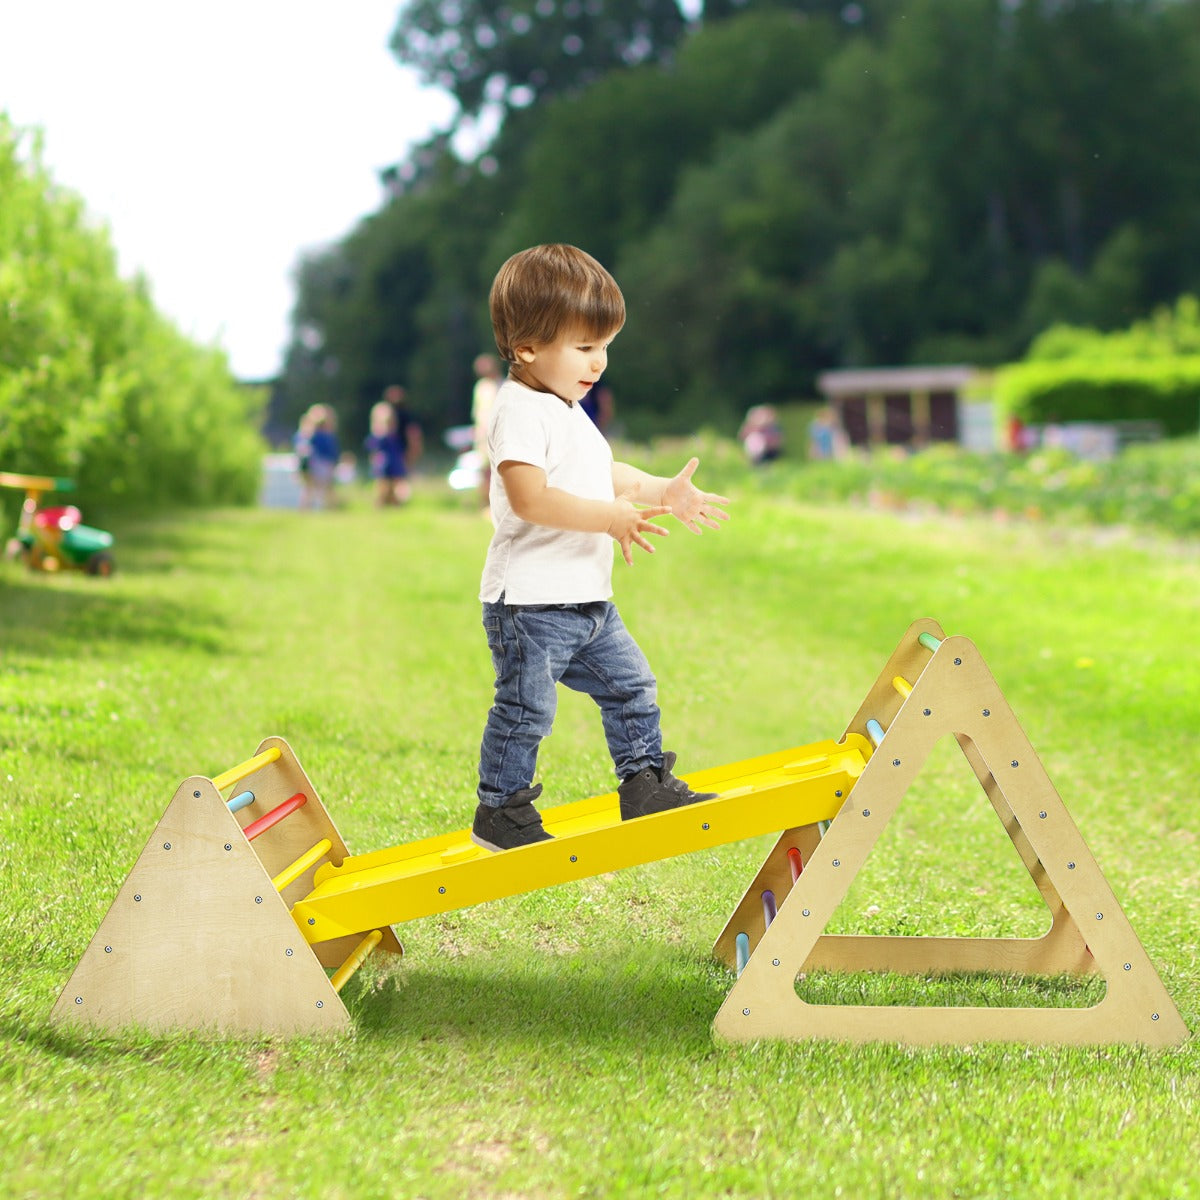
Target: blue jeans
{"points": [[585, 646]]}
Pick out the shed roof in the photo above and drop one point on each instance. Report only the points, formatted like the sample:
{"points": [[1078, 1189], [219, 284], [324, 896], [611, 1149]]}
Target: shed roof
{"points": [[868, 380]]}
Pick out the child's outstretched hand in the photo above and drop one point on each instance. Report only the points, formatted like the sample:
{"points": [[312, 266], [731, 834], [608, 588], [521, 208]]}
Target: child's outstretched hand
{"points": [[630, 523], [688, 505]]}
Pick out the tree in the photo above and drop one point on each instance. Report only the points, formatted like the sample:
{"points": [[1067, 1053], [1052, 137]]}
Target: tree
{"points": [[511, 53]]}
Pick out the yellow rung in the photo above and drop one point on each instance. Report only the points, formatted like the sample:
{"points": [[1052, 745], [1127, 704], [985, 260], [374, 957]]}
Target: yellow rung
{"points": [[357, 957], [306, 860], [902, 685], [243, 769]]}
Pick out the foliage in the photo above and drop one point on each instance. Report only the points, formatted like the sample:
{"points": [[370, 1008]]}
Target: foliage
{"points": [[1152, 487], [513, 52], [94, 382], [1084, 389], [557, 1044], [798, 186]]}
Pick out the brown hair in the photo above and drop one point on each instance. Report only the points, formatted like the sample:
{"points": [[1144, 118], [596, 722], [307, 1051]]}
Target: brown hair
{"points": [[546, 290]]}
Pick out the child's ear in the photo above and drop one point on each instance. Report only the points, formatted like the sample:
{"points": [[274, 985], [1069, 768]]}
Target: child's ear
{"points": [[525, 354]]}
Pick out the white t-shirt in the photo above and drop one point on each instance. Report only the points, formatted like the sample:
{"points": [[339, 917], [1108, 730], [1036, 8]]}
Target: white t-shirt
{"points": [[533, 564]]}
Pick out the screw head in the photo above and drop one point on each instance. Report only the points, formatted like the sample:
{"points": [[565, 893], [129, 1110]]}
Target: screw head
{"points": [[1015, 763], [987, 712], [107, 949], [958, 662], [837, 862], [320, 1003], [774, 962], [866, 812], [257, 899], [806, 913], [1070, 866], [312, 920], [78, 999], [838, 793], [196, 794], [895, 762], [228, 846], [138, 898], [574, 858], [1129, 966], [745, 1012], [926, 712], [166, 845], [1154, 1016], [1099, 916], [441, 891], [288, 952], [705, 825], [1042, 814]]}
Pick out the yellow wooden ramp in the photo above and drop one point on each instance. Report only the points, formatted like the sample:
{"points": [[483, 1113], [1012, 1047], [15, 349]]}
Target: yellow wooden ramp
{"points": [[791, 788]]}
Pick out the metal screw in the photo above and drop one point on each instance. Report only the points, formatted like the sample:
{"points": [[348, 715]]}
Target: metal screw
{"points": [[166, 845], [1042, 814], [1128, 966], [288, 952], [705, 825], [196, 794], [1099, 916], [806, 913], [927, 712], [895, 762], [441, 891], [745, 1012], [107, 949], [1070, 866], [138, 898], [837, 862], [774, 962], [574, 858], [866, 812], [1154, 1016], [312, 920], [228, 846], [78, 999], [958, 662], [987, 712], [257, 899], [320, 1003], [1015, 763]]}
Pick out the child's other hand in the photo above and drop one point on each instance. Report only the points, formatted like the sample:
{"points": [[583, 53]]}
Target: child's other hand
{"points": [[629, 524], [688, 505]]}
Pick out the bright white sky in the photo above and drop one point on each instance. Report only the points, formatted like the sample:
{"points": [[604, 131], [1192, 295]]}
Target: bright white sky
{"points": [[217, 140]]}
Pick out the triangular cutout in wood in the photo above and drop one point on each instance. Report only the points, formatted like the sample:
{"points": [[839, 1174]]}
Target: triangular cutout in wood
{"points": [[953, 693]]}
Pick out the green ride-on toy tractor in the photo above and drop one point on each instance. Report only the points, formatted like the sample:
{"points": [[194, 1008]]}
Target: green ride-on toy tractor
{"points": [[54, 539]]}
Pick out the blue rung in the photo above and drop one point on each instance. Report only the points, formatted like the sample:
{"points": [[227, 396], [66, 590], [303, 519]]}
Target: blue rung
{"points": [[237, 803], [743, 951], [875, 731]]}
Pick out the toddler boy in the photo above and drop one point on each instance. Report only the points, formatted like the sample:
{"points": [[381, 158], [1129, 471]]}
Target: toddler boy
{"points": [[557, 501]]}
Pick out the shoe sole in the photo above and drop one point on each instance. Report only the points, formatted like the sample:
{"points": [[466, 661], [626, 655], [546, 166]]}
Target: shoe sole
{"points": [[500, 849]]}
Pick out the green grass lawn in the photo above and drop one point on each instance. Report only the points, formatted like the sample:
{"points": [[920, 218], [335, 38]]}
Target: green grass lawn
{"points": [[557, 1044]]}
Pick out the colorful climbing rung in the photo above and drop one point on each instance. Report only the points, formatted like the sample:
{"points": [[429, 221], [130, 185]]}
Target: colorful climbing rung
{"points": [[902, 686], [356, 958], [270, 755], [293, 872], [929, 641], [240, 801], [276, 815], [875, 731], [743, 951], [769, 910], [796, 862]]}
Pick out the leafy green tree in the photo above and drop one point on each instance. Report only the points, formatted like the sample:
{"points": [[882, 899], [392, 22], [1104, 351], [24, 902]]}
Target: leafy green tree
{"points": [[511, 53], [94, 382]]}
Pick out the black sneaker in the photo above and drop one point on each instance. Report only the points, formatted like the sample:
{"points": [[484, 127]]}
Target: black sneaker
{"points": [[655, 791], [515, 823]]}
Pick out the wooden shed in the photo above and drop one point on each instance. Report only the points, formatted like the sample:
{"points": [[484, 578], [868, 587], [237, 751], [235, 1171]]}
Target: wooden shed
{"points": [[898, 406]]}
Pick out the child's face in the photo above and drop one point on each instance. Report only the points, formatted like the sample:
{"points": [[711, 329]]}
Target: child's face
{"points": [[569, 367]]}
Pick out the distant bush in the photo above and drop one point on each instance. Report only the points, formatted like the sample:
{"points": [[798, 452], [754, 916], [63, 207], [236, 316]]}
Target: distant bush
{"points": [[1152, 487], [1150, 371], [94, 382]]}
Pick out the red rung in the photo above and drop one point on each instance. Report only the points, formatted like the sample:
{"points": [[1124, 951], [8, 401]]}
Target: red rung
{"points": [[276, 815], [795, 862]]}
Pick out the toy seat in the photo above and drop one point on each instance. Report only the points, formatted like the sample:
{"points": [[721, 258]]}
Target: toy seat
{"points": [[64, 517]]}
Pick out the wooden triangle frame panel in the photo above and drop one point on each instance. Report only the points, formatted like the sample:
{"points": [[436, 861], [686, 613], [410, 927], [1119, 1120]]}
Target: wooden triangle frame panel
{"points": [[199, 938], [953, 693]]}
